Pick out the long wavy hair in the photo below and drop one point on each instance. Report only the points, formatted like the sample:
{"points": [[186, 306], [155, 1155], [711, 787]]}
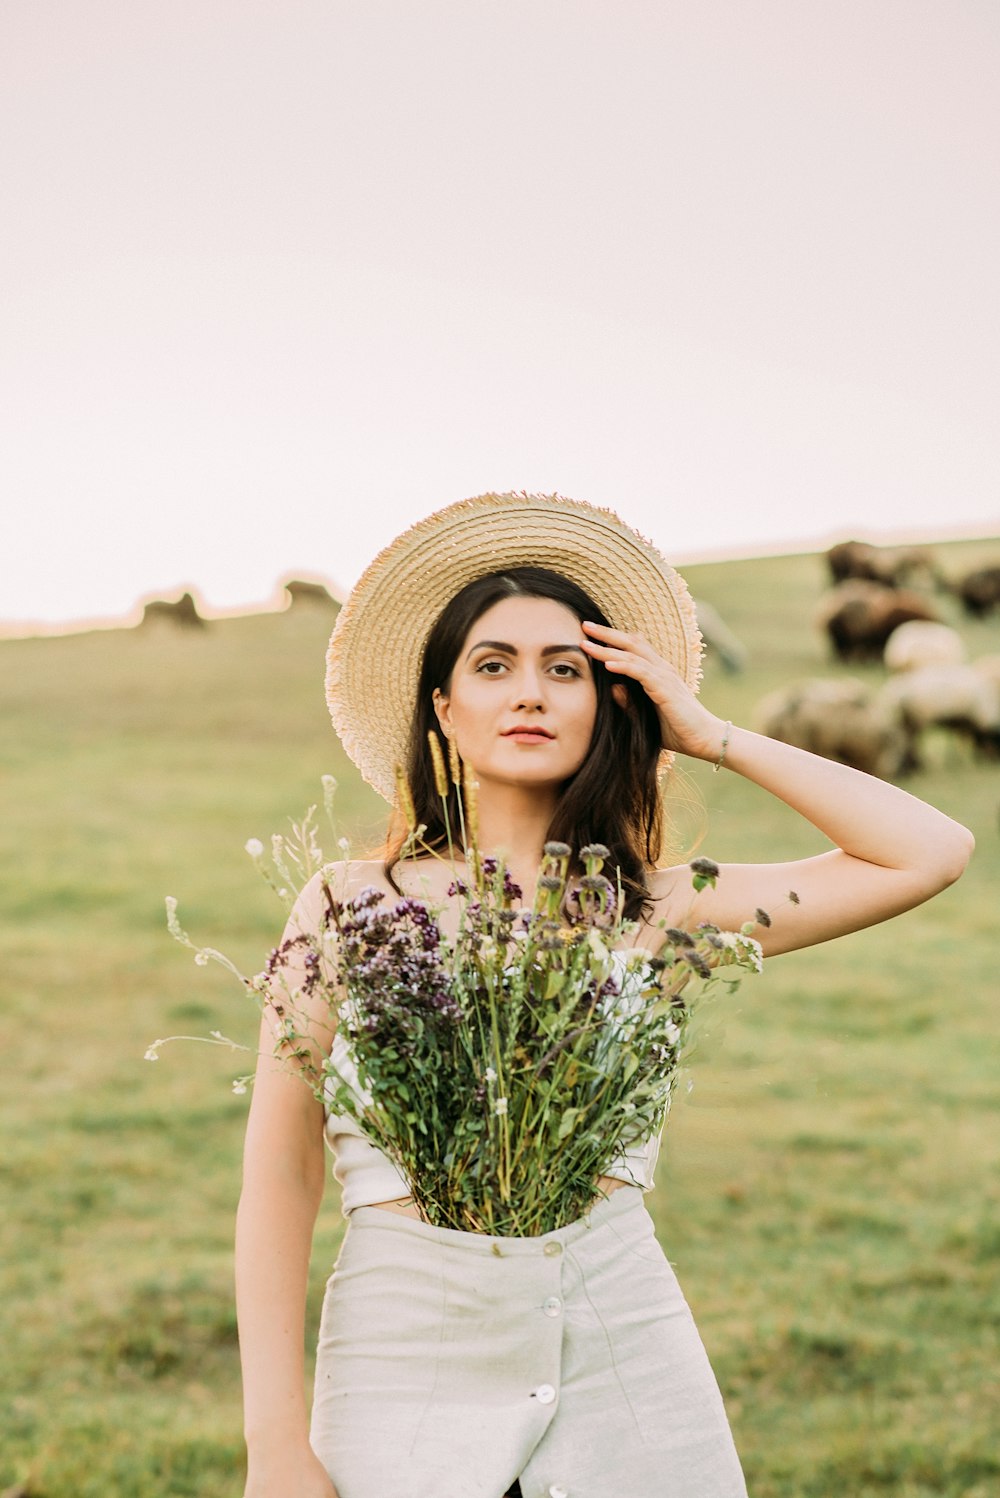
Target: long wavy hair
{"points": [[613, 798]]}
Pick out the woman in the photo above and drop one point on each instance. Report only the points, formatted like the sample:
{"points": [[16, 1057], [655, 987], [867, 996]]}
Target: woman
{"points": [[560, 652]]}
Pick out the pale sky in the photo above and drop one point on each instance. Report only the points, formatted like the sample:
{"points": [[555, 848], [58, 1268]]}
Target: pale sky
{"points": [[279, 277]]}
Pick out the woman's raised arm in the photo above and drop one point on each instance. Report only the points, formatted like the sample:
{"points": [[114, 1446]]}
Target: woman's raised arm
{"points": [[892, 850]]}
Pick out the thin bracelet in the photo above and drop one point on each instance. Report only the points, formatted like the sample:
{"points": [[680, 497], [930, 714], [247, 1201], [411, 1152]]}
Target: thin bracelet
{"points": [[725, 745]]}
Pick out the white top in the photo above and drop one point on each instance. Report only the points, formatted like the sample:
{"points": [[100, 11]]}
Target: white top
{"points": [[367, 1175]]}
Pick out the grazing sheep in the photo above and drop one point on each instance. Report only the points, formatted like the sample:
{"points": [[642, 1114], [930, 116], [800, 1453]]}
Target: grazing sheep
{"points": [[980, 591], [960, 698], [720, 638], [919, 642], [182, 611], [842, 720], [890, 565], [860, 616]]}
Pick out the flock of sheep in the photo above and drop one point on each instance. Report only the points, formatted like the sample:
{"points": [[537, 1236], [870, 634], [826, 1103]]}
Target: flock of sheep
{"points": [[883, 607]]}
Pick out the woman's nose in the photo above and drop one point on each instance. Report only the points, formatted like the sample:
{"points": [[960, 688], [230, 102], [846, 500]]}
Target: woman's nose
{"points": [[528, 689]]}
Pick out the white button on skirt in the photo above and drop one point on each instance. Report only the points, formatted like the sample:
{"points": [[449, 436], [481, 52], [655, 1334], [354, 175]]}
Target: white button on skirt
{"points": [[451, 1363]]}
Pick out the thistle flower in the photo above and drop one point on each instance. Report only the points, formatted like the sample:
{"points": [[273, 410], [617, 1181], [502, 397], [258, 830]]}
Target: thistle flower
{"points": [[549, 882], [254, 847], [557, 850], [761, 917], [707, 868], [793, 897], [595, 850], [697, 961]]}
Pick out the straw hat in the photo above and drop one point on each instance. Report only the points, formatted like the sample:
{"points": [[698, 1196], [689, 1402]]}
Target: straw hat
{"points": [[373, 662]]}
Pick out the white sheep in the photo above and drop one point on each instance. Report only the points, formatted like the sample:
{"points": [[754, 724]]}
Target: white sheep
{"points": [[840, 719], [920, 642], [961, 698]]}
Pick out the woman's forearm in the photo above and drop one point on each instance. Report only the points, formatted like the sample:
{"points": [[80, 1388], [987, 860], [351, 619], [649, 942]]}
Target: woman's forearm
{"points": [[274, 1228], [866, 817]]}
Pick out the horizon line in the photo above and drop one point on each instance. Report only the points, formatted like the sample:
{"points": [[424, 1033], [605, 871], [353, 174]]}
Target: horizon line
{"points": [[27, 629]]}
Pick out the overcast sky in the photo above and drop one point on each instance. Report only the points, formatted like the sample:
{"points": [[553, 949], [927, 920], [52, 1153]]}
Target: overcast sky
{"points": [[279, 278]]}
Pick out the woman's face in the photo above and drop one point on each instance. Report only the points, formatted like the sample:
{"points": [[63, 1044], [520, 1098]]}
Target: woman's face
{"points": [[521, 703]]}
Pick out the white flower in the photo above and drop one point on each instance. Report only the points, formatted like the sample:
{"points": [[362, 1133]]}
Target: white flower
{"points": [[344, 844], [173, 925], [598, 948], [728, 939], [239, 1087], [752, 947], [500, 1107], [491, 1075], [151, 1054], [201, 959], [672, 1033], [254, 847]]}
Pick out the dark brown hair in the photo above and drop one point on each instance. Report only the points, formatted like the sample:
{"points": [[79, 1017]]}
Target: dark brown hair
{"points": [[613, 798]]}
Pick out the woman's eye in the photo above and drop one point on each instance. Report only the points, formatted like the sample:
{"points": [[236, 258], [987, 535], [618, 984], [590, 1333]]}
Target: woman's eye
{"points": [[564, 669], [491, 668]]}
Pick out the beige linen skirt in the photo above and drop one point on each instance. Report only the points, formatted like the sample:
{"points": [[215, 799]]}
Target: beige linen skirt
{"points": [[451, 1363]]}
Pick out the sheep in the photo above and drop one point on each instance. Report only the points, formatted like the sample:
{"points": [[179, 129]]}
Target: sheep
{"points": [[920, 642], [890, 565], [860, 616], [720, 638], [980, 591], [839, 719], [959, 697], [182, 611]]}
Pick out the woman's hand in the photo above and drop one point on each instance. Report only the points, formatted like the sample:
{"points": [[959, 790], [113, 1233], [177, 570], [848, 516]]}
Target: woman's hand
{"points": [[686, 724], [296, 1473]]}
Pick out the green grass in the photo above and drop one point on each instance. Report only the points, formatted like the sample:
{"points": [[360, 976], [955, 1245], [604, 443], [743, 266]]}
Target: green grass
{"points": [[828, 1190]]}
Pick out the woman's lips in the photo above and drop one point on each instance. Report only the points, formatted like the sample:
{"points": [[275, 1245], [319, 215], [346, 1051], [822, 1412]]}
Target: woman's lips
{"points": [[528, 736]]}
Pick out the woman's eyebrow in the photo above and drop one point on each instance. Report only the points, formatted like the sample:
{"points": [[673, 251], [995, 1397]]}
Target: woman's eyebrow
{"points": [[512, 649]]}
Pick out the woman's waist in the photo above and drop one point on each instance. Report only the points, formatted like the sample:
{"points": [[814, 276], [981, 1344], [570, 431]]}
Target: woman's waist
{"points": [[407, 1207]]}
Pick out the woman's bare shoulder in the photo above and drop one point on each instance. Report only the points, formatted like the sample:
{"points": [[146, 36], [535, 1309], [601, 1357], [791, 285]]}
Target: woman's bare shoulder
{"points": [[670, 892], [344, 879]]}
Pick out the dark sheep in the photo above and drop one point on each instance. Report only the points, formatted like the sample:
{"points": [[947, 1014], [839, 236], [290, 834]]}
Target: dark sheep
{"points": [[980, 591], [859, 617], [893, 566]]}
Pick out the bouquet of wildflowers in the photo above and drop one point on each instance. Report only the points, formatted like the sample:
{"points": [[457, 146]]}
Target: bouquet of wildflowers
{"points": [[505, 1067]]}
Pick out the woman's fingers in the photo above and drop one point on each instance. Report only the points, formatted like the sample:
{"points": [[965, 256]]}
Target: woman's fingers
{"points": [[606, 638]]}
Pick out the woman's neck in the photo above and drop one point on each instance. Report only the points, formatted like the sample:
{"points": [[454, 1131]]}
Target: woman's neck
{"points": [[513, 825]]}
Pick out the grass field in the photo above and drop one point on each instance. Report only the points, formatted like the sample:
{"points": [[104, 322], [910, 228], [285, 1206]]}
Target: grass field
{"points": [[828, 1191]]}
